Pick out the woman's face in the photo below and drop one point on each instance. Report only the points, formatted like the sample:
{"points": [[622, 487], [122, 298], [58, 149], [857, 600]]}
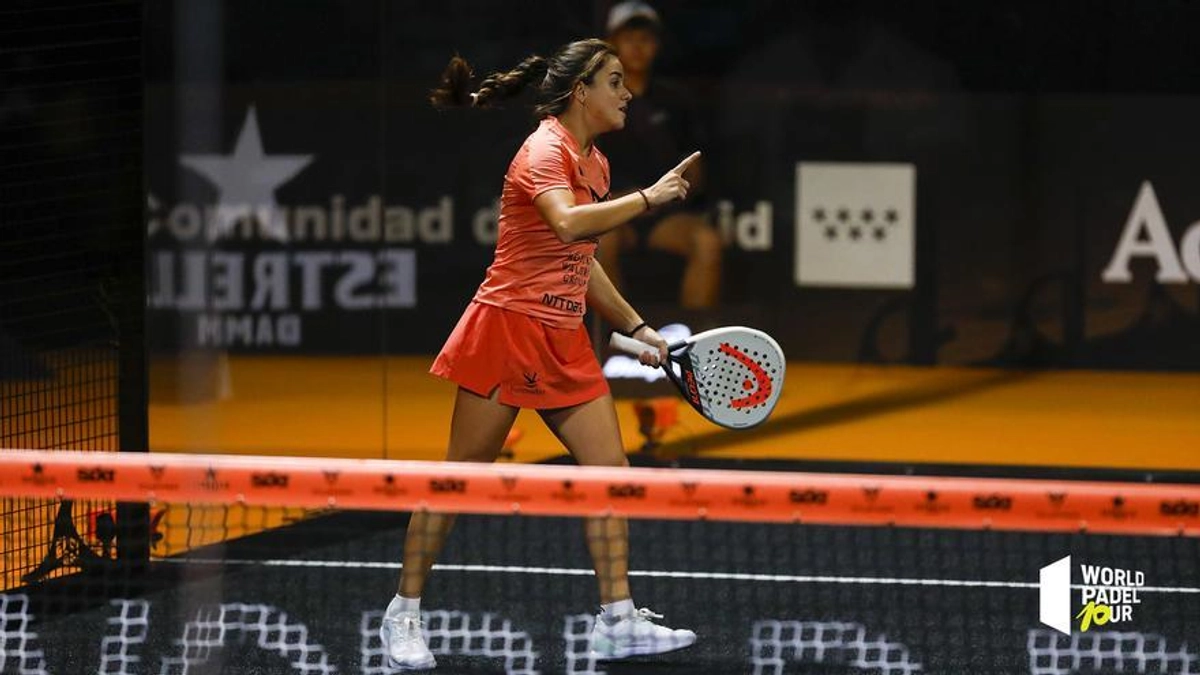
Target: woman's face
{"points": [[606, 99]]}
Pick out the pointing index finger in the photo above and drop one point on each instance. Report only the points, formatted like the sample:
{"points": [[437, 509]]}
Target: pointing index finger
{"points": [[678, 170]]}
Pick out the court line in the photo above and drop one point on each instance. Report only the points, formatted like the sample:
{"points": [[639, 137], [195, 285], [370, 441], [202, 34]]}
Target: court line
{"points": [[657, 574]]}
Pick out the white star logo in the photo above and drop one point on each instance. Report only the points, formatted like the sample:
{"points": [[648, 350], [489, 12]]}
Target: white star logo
{"points": [[246, 180]]}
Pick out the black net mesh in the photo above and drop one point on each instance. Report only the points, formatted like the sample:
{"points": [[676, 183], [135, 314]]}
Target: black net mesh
{"points": [[70, 251], [273, 590]]}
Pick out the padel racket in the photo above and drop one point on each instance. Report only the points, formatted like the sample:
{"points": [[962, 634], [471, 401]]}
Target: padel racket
{"points": [[732, 376]]}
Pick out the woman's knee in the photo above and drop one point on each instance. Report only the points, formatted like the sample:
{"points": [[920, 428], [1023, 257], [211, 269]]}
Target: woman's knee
{"points": [[479, 427]]}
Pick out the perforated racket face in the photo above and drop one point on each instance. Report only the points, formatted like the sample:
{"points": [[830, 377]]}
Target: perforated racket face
{"points": [[738, 374]]}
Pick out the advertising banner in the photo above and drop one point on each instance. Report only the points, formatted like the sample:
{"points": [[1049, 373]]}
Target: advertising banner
{"points": [[323, 206]]}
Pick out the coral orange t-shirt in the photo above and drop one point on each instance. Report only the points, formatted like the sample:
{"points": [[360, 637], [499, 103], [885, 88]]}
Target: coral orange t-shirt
{"points": [[533, 272]]}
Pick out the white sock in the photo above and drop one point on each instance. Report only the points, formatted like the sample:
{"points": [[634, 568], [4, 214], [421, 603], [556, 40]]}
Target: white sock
{"points": [[614, 611], [401, 605]]}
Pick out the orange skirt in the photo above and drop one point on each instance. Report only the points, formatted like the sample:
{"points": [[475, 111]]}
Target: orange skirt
{"points": [[535, 365]]}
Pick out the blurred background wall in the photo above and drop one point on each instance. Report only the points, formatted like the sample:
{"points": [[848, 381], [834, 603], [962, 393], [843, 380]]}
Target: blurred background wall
{"points": [[1044, 218]]}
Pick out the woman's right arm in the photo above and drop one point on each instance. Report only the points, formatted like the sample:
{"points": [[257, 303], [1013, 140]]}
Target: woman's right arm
{"points": [[572, 222]]}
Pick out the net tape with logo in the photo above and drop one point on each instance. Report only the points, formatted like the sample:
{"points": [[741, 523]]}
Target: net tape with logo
{"points": [[760, 496]]}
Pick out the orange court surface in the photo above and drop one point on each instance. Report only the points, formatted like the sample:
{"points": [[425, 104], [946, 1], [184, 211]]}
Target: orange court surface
{"points": [[377, 407]]}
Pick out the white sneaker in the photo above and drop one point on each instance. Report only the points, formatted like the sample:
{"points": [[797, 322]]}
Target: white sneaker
{"points": [[404, 642], [637, 635]]}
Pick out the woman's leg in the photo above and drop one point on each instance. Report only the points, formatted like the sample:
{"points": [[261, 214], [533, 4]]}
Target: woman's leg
{"points": [[592, 435], [477, 432]]}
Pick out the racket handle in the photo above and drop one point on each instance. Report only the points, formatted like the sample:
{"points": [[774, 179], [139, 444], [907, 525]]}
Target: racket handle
{"points": [[630, 345]]}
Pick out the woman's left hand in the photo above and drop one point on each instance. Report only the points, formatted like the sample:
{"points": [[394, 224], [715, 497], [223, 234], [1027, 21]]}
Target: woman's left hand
{"points": [[651, 337]]}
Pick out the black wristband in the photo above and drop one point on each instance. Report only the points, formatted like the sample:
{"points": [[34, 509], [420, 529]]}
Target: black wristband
{"points": [[635, 329], [645, 199]]}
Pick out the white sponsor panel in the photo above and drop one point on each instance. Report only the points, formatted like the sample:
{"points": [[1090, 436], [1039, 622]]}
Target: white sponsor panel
{"points": [[855, 225]]}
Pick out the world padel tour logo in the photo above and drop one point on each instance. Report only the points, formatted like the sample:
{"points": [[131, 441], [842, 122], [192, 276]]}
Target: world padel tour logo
{"points": [[1107, 595]]}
